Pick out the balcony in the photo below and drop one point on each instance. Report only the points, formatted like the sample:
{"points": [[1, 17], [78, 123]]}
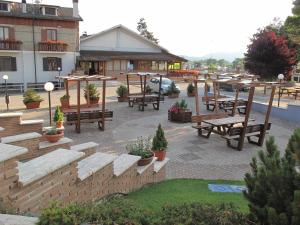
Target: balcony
{"points": [[10, 45], [53, 47]]}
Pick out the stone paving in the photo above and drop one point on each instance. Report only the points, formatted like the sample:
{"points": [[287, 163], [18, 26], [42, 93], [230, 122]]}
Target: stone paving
{"points": [[191, 156]]}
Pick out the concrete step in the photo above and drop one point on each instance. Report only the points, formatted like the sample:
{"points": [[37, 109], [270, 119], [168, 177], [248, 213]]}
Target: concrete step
{"points": [[6, 219], [124, 162], [20, 138], [88, 148], [40, 167], [9, 152], [47, 146], [31, 122], [142, 169], [94, 163], [158, 165]]}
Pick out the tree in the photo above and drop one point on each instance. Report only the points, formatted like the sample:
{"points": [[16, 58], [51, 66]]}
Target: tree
{"points": [[269, 55], [296, 8], [238, 63], [143, 29], [273, 186]]}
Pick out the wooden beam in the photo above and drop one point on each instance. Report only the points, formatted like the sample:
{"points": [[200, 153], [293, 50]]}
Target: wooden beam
{"points": [[144, 92], [206, 94], [216, 97], [159, 91], [78, 107], [237, 91], [67, 90], [197, 97], [87, 93], [103, 103]]}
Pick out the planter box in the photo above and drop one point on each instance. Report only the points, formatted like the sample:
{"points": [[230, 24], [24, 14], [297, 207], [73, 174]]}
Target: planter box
{"points": [[33, 105], [122, 99], [182, 117]]}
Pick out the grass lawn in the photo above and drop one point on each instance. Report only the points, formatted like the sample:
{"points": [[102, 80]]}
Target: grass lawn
{"points": [[180, 191]]}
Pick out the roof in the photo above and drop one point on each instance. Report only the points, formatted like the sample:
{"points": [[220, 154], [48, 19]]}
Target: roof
{"points": [[111, 55], [33, 10]]}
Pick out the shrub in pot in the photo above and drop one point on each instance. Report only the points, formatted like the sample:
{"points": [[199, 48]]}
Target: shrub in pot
{"points": [[31, 99], [64, 101], [191, 90], [159, 144], [122, 93], [91, 91], [173, 91], [53, 135], [142, 148], [179, 112], [58, 117]]}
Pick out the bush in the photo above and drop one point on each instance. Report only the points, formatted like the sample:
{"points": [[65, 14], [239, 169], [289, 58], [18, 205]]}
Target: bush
{"points": [[58, 115], [65, 97], [141, 147], [92, 90], [159, 142], [31, 96], [122, 91], [173, 89], [190, 88]]}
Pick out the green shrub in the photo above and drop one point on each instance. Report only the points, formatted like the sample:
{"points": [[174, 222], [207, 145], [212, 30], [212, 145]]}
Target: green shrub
{"points": [[65, 97], [190, 88], [31, 96], [92, 90], [122, 91], [58, 115], [141, 147], [173, 89], [159, 142]]}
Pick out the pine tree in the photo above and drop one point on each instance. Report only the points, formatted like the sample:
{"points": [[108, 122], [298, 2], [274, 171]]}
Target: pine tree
{"points": [[159, 142], [143, 29]]}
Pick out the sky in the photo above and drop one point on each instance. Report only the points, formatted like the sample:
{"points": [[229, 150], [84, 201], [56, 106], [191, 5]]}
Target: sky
{"points": [[189, 27]]}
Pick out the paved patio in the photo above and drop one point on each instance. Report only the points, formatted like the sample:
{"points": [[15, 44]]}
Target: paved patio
{"points": [[191, 156]]}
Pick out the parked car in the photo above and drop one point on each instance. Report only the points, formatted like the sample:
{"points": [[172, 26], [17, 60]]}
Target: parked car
{"points": [[165, 84]]}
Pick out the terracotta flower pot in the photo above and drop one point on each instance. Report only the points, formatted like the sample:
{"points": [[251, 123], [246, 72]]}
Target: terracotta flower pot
{"points": [[144, 162], [54, 138], [191, 94], [59, 124], [161, 155], [94, 101], [122, 99], [33, 105], [173, 95], [64, 103]]}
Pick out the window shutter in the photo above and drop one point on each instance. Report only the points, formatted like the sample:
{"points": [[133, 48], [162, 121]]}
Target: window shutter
{"points": [[44, 35], [13, 63], [45, 64], [12, 35], [59, 63]]}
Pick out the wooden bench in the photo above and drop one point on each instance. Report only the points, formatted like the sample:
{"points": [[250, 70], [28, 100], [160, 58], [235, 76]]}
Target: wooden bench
{"points": [[253, 129], [241, 107], [138, 99]]}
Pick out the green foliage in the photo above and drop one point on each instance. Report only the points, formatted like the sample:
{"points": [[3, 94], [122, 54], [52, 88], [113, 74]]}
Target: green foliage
{"points": [[65, 97], [183, 104], [58, 115], [148, 89], [159, 142], [238, 63], [143, 29], [31, 96], [173, 89], [190, 88], [274, 185], [141, 147], [92, 90], [122, 91], [53, 131], [296, 8]]}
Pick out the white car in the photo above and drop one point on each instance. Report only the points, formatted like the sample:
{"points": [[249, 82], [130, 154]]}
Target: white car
{"points": [[165, 84]]}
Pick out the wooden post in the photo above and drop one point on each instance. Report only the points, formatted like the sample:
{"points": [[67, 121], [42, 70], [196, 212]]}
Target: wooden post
{"points": [[197, 97], [78, 107], [159, 91], [141, 81], [216, 98], [103, 103], [206, 94], [263, 133], [236, 99], [279, 96], [67, 90], [144, 91], [247, 116], [128, 91], [87, 93]]}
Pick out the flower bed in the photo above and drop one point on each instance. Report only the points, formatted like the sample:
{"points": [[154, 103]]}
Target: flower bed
{"points": [[179, 113]]}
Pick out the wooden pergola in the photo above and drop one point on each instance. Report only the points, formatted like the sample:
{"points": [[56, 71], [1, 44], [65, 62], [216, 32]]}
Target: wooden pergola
{"points": [[143, 98], [82, 112]]}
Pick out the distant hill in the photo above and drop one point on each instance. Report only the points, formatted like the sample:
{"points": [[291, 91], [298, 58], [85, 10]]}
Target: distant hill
{"points": [[229, 56]]}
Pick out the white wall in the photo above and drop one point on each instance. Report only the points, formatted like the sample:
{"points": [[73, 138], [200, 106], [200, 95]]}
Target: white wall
{"points": [[13, 76]]}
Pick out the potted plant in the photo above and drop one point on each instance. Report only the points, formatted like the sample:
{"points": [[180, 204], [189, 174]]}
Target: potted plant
{"points": [[31, 99], [191, 90], [173, 91], [58, 117], [179, 112], [64, 101], [159, 144], [122, 93], [53, 135], [142, 148], [93, 93]]}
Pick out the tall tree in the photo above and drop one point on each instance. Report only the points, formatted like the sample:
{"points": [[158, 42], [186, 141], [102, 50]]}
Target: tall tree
{"points": [[269, 55], [143, 29], [296, 8]]}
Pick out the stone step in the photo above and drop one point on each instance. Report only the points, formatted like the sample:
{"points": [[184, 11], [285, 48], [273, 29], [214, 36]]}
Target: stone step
{"points": [[94, 163], [40, 167], [20, 137], [124, 162], [158, 165], [88, 148], [31, 122], [46, 145], [9, 152], [6, 219], [9, 115], [142, 169]]}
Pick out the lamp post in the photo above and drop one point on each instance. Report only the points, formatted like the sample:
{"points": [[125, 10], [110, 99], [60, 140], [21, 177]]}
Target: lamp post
{"points": [[280, 78], [49, 87], [59, 70], [5, 78]]}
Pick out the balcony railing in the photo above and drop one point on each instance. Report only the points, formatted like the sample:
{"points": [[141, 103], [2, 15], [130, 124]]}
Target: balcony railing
{"points": [[10, 45], [52, 47]]}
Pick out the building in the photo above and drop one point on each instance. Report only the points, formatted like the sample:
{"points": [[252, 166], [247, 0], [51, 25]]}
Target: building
{"points": [[120, 49], [37, 42]]}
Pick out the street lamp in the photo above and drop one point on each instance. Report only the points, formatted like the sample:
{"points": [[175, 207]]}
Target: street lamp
{"points": [[280, 78], [59, 70], [5, 78], [49, 87]]}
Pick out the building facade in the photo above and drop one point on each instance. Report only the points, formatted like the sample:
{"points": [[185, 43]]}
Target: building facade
{"points": [[37, 42], [119, 50]]}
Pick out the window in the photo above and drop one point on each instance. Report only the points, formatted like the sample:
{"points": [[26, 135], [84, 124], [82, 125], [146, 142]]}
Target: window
{"points": [[154, 65], [162, 65], [144, 65], [8, 63], [51, 35], [52, 64], [3, 6], [50, 11], [4, 33], [117, 65]]}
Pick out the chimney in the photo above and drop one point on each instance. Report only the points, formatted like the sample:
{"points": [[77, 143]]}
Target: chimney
{"points": [[24, 6], [75, 8]]}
